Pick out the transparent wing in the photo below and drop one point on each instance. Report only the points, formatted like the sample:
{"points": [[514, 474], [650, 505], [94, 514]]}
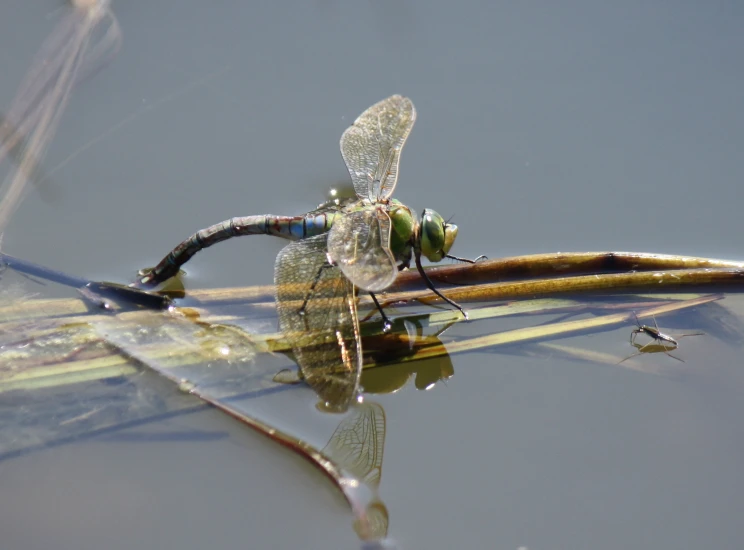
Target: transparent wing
{"points": [[371, 146], [325, 337], [332, 206], [358, 445], [359, 441], [359, 243]]}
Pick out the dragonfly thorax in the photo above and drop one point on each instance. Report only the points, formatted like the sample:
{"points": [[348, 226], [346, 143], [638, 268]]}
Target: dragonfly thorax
{"points": [[436, 236], [402, 230]]}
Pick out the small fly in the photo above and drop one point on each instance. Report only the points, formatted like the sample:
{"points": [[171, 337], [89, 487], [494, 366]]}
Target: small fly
{"points": [[656, 336]]}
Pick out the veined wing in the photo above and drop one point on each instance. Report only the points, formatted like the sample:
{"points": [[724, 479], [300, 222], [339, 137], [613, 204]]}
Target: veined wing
{"points": [[359, 243], [325, 337], [358, 443], [357, 446], [371, 146], [332, 206]]}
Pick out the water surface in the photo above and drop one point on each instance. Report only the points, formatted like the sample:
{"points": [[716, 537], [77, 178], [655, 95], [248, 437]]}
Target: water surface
{"points": [[540, 128]]}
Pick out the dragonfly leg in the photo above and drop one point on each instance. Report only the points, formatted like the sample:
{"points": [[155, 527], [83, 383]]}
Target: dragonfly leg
{"points": [[431, 286], [467, 260], [386, 324], [312, 286]]}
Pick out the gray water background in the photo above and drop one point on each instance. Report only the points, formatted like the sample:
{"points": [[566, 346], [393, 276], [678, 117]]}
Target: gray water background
{"points": [[542, 126]]}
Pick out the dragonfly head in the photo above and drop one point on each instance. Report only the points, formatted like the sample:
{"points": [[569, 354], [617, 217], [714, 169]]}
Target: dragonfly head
{"points": [[436, 235]]}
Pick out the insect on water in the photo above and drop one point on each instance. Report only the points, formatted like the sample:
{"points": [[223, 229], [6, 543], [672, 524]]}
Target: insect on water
{"points": [[358, 244], [656, 336]]}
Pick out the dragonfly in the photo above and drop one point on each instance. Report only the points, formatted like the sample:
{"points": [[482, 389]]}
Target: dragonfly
{"points": [[339, 248]]}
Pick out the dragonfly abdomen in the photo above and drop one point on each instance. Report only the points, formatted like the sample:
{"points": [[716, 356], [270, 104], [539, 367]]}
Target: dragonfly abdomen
{"points": [[287, 227], [299, 227]]}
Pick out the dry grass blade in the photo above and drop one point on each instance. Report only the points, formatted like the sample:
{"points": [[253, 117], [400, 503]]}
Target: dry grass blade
{"points": [[513, 269], [613, 283], [31, 121], [681, 279], [560, 264], [68, 366]]}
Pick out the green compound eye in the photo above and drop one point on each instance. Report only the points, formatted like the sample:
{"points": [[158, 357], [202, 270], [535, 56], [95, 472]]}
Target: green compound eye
{"points": [[450, 234], [437, 236]]}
